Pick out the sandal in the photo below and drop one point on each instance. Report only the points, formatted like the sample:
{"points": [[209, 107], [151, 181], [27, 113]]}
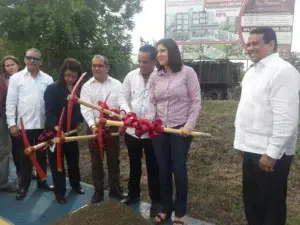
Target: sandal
{"points": [[161, 220], [178, 222]]}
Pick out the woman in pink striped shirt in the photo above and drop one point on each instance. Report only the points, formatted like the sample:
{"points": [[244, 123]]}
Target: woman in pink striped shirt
{"points": [[174, 93]]}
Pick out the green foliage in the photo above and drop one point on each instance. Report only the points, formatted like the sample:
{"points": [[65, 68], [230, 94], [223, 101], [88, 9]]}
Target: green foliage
{"points": [[295, 60], [144, 42], [69, 28]]}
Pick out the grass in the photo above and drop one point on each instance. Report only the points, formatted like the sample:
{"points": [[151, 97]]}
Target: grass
{"points": [[215, 170]]}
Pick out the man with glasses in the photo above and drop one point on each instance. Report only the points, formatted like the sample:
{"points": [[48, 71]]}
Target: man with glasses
{"points": [[94, 90], [25, 100], [134, 98]]}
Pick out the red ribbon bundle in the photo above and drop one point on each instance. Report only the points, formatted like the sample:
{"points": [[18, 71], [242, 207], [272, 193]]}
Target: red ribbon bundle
{"points": [[104, 105], [157, 128], [47, 135], [104, 135], [106, 138], [142, 126]]}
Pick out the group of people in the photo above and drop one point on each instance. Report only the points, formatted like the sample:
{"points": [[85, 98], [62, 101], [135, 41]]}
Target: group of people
{"points": [[171, 93], [162, 87]]}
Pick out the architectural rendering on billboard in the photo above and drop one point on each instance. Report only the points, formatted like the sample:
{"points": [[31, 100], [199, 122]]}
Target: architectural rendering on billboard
{"points": [[217, 29]]}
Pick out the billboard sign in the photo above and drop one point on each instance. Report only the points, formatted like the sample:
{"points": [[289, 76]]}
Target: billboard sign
{"points": [[218, 29], [278, 14]]}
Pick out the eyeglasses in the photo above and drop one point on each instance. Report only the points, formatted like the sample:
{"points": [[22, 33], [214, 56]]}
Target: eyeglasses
{"points": [[71, 76], [98, 65], [32, 58]]}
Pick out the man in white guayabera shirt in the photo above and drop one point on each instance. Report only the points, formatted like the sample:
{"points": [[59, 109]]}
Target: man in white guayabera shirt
{"points": [[94, 90], [25, 100], [133, 97], [266, 129]]}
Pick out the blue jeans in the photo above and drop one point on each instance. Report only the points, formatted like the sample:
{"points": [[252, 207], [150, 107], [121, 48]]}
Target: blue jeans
{"points": [[171, 151]]}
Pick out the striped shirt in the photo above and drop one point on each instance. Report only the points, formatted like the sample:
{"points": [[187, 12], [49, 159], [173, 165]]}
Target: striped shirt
{"points": [[175, 98], [94, 91]]}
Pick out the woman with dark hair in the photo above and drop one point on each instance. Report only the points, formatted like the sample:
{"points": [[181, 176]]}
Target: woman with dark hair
{"points": [[55, 100], [9, 66], [174, 92]]}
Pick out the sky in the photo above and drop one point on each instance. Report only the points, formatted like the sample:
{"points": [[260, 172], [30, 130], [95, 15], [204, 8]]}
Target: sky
{"points": [[149, 24]]}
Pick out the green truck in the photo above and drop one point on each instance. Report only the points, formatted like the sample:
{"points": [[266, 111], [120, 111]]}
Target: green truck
{"points": [[219, 79]]}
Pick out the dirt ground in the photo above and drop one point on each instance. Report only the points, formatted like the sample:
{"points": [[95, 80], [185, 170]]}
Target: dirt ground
{"points": [[215, 170], [104, 213]]}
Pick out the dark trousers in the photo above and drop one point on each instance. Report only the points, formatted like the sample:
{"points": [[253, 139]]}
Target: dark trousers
{"points": [[16, 143], [26, 164], [4, 154], [265, 193], [70, 151], [135, 152], [171, 151], [112, 151]]}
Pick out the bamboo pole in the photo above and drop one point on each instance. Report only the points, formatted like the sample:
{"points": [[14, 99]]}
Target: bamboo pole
{"points": [[81, 138], [66, 139], [193, 133], [99, 108], [167, 130]]}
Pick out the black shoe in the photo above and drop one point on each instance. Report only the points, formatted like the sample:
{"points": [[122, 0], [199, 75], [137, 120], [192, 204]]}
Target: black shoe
{"points": [[61, 199], [117, 193], [130, 201], [97, 197], [78, 190], [46, 186], [154, 209], [21, 194]]}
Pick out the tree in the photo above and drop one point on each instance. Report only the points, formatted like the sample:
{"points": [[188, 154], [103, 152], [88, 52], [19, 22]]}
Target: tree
{"points": [[70, 28], [144, 42], [295, 60], [233, 51]]}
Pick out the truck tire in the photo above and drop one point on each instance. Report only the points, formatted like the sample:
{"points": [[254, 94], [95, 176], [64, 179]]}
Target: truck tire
{"points": [[215, 94], [230, 93]]}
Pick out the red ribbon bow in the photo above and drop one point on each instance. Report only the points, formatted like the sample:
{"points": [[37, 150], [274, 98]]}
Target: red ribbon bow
{"points": [[47, 135], [157, 128], [142, 126], [104, 105], [106, 138]]}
